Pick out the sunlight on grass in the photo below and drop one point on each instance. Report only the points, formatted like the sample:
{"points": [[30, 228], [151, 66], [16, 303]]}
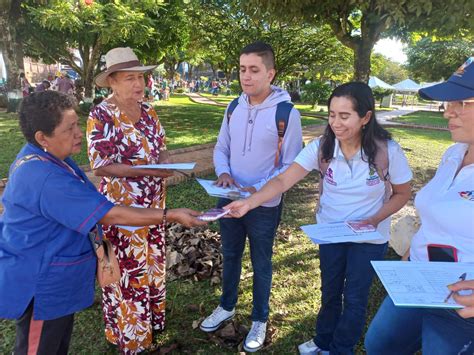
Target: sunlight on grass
{"points": [[426, 118]]}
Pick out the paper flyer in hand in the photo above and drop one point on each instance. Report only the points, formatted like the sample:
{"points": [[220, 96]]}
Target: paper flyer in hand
{"points": [[360, 227], [422, 283], [174, 166], [213, 214], [232, 192], [339, 232]]}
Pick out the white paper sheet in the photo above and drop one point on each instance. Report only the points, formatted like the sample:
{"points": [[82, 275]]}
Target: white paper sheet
{"points": [[175, 166], [421, 284], [232, 193], [129, 228], [327, 233]]}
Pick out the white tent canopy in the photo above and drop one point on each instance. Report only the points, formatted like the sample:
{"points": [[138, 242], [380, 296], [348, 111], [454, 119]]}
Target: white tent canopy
{"points": [[406, 86], [425, 85], [375, 82]]}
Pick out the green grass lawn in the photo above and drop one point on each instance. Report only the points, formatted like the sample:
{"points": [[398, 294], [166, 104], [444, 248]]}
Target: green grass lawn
{"points": [[295, 293], [425, 118]]}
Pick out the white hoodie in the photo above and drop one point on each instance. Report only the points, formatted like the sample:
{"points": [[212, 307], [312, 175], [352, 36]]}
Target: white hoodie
{"points": [[247, 145]]}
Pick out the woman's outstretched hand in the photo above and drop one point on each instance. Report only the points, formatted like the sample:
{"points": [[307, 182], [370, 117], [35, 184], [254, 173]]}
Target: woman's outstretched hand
{"points": [[185, 216], [238, 208]]}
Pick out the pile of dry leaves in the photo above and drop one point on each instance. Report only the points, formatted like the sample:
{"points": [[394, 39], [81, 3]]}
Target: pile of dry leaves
{"points": [[193, 253]]}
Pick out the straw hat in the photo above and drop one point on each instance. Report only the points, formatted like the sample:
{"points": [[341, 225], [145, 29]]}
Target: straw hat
{"points": [[120, 59]]}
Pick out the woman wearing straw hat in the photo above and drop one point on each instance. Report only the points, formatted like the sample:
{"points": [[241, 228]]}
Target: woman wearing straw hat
{"points": [[123, 131]]}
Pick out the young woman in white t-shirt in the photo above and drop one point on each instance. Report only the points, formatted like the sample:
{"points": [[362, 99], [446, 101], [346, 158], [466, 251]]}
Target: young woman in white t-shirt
{"points": [[353, 190], [446, 209]]}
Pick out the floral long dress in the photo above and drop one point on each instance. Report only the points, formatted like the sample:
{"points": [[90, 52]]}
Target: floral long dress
{"points": [[135, 307]]}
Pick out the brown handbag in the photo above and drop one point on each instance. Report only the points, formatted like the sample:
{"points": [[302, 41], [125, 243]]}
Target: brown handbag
{"points": [[108, 269]]}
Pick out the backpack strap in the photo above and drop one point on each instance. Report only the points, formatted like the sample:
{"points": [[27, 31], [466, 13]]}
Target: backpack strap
{"points": [[381, 166], [282, 116], [233, 104]]}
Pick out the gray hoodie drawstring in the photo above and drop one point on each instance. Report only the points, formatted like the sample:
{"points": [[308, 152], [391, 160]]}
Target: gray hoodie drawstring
{"points": [[251, 132], [246, 130]]}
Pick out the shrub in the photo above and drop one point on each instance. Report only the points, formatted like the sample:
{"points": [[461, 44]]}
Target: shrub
{"points": [[3, 101], [315, 92], [380, 93], [85, 107], [235, 88]]}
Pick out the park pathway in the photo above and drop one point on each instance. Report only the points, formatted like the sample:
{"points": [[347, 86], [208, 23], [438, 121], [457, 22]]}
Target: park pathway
{"points": [[199, 99]]}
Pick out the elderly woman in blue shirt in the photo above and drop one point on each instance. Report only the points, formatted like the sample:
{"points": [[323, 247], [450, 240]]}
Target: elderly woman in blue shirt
{"points": [[47, 264]]}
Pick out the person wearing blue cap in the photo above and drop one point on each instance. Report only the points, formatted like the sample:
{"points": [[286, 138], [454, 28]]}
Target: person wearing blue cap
{"points": [[446, 209]]}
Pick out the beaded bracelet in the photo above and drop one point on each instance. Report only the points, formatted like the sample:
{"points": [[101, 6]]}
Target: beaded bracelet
{"points": [[164, 217]]}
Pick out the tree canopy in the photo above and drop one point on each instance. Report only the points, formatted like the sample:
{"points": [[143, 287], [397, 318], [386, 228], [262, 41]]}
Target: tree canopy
{"points": [[359, 24], [387, 70], [434, 60], [53, 29]]}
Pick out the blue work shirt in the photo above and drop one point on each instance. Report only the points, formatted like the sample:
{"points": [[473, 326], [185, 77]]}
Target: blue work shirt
{"points": [[45, 251]]}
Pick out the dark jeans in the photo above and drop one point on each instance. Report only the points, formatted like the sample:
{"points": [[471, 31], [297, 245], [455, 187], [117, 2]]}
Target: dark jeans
{"points": [[346, 276], [404, 331], [260, 226], [49, 337]]}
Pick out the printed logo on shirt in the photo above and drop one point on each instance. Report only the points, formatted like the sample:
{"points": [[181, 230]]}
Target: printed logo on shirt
{"points": [[468, 195], [373, 178], [329, 177]]}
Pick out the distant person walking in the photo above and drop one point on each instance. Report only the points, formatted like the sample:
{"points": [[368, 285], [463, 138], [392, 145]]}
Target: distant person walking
{"points": [[64, 84], [44, 86], [24, 85]]}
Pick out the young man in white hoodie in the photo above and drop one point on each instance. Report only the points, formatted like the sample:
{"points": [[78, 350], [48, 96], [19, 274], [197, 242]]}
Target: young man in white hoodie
{"points": [[247, 155]]}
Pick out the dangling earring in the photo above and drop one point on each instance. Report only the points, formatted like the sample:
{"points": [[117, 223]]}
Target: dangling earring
{"points": [[363, 127], [45, 150]]}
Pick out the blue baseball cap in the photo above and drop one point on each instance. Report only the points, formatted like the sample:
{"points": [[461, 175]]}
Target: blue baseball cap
{"points": [[459, 86]]}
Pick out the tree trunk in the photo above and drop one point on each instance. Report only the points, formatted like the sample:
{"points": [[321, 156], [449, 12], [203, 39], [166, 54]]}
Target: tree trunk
{"points": [[90, 58], [10, 44], [372, 25], [362, 54], [88, 78], [190, 71]]}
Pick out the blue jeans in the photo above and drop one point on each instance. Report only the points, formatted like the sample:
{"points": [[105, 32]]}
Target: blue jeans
{"points": [[346, 276], [260, 226], [401, 330]]}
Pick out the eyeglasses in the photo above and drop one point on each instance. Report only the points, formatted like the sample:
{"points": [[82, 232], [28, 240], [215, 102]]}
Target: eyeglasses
{"points": [[458, 106]]}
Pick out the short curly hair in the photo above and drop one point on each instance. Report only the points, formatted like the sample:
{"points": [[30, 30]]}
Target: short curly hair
{"points": [[43, 111]]}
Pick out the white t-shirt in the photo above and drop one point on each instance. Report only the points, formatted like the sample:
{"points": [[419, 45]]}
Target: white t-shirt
{"points": [[353, 191], [446, 208]]}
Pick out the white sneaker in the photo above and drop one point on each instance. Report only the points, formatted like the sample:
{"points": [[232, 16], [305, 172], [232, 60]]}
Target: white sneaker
{"points": [[256, 337], [215, 320], [310, 348]]}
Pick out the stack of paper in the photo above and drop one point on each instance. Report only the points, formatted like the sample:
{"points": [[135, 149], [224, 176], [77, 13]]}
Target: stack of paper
{"points": [[232, 192], [175, 166], [421, 284], [340, 232]]}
